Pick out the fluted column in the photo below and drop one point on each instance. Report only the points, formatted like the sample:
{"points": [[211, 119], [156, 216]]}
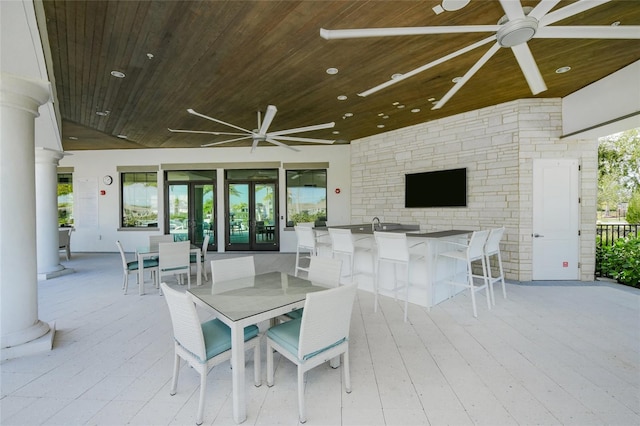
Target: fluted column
{"points": [[47, 213], [21, 332]]}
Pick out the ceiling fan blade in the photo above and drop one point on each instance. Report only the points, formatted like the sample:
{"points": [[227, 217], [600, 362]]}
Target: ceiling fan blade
{"points": [[427, 66], [227, 141], [590, 31], [570, 10], [492, 51], [190, 111], [513, 9], [404, 31], [298, 139], [543, 8], [268, 118], [204, 132], [529, 68], [284, 145], [303, 129]]}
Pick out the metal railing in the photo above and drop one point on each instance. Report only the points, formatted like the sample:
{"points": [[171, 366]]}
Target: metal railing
{"points": [[608, 234]]}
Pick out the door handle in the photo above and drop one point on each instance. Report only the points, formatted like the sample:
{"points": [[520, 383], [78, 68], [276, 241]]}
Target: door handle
{"points": [[537, 235]]}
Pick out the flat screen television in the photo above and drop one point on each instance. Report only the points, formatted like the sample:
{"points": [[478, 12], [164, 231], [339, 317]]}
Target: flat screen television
{"points": [[442, 188]]}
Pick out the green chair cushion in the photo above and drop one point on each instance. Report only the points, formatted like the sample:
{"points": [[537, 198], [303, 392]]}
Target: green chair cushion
{"points": [[148, 263], [217, 336], [287, 335]]}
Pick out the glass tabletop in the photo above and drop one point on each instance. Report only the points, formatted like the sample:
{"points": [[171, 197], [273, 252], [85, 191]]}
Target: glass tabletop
{"points": [[245, 297]]}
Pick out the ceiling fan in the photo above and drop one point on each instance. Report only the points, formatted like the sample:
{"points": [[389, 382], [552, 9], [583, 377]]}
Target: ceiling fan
{"points": [[261, 134], [514, 30]]}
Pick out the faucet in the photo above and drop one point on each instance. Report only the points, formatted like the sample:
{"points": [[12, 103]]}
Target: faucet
{"points": [[375, 221]]}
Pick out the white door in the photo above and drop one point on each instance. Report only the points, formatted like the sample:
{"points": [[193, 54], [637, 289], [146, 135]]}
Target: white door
{"points": [[556, 228]]}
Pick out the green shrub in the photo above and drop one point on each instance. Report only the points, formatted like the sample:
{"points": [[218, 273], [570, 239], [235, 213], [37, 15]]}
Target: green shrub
{"points": [[621, 260]]}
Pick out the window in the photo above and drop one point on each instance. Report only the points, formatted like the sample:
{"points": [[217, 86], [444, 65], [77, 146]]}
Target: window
{"points": [[65, 199], [306, 196], [139, 199]]}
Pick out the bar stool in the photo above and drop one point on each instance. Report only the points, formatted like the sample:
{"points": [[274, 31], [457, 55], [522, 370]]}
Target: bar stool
{"points": [[492, 248], [469, 253], [393, 249], [307, 242], [342, 244]]}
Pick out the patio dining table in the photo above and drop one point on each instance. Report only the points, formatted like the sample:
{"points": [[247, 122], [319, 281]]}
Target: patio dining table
{"points": [[146, 253], [245, 301]]}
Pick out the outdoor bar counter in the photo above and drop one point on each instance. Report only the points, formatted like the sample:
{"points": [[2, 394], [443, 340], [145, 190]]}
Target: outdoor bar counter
{"points": [[428, 275]]}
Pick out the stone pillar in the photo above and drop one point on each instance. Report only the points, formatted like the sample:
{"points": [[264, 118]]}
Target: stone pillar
{"points": [[47, 214], [21, 332]]}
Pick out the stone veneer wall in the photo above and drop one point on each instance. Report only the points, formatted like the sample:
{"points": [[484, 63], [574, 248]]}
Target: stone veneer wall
{"points": [[497, 145]]}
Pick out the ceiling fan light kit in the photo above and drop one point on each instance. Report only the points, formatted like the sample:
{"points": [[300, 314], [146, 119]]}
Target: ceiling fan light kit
{"points": [[518, 26]]}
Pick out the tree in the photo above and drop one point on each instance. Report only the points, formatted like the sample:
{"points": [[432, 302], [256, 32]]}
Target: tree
{"points": [[633, 211], [618, 168]]}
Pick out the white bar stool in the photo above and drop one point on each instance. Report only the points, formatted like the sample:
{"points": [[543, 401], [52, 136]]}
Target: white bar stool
{"points": [[469, 253], [342, 243], [492, 248], [393, 249]]}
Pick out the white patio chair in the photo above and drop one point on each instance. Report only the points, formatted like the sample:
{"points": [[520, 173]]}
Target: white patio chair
{"points": [[154, 240], [205, 345], [469, 253], [131, 267], [193, 258], [492, 248], [324, 271], [343, 244], [322, 333], [307, 242], [233, 268], [174, 260], [393, 248], [64, 241]]}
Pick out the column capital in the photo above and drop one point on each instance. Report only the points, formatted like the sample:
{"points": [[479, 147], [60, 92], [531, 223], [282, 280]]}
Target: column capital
{"points": [[48, 156], [22, 93]]}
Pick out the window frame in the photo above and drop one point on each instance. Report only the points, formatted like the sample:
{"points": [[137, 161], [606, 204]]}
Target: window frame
{"points": [[154, 206], [319, 219]]}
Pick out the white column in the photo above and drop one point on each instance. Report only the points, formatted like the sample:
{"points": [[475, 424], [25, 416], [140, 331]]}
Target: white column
{"points": [[21, 332], [47, 213]]}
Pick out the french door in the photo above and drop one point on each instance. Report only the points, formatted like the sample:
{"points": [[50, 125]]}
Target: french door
{"points": [[251, 211], [190, 209]]}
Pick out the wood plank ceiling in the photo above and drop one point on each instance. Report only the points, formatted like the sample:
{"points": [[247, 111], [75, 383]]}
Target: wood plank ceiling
{"points": [[230, 59]]}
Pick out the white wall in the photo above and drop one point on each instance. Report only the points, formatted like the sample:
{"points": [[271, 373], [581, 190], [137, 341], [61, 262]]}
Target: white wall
{"points": [[93, 165], [497, 145]]}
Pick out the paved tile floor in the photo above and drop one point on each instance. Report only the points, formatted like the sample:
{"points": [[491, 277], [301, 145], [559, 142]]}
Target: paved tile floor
{"points": [[552, 353]]}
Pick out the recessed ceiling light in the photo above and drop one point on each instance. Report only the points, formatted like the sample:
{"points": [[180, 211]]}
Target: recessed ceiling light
{"points": [[562, 70], [385, 116], [335, 132], [150, 55], [332, 71], [395, 103], [415, 110], [118, 74], [122, 136], [342, 97], [347, 115], [615, 24], [396, 76], [456, 79], [400, 106], [431, 99], [73, 138], [102, 113], [380, 114], [380, 126]]}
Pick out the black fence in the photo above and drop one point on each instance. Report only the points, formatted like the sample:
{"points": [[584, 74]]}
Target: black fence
{"points": [[608, 235]]}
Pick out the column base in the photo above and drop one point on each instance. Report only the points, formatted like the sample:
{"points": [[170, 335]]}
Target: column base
{"points": [[43, 343], [54, 274]]}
